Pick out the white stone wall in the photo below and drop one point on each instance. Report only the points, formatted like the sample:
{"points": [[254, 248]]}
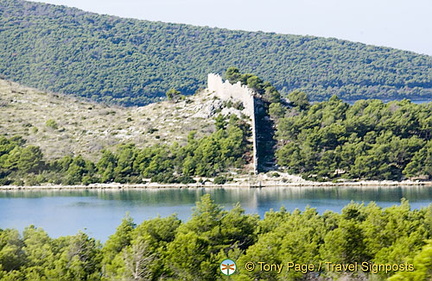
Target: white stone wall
{"points": [[237, 92]]}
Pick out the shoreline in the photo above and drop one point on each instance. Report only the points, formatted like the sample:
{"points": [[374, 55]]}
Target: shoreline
{"points": [[244, 184]]}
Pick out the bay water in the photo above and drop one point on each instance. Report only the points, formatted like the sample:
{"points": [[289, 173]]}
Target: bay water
{"points": [[99, 212]]}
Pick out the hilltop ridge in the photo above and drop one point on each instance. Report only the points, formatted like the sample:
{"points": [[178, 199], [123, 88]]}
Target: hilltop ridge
{"points": [[134, 62]]}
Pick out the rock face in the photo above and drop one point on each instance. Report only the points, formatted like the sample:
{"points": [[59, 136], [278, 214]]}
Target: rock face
{"points": [[238, 93]]}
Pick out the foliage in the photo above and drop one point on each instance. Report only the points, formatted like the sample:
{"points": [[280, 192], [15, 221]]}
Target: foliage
{"points": [[208, 156], [18, 159], [51, 124], [173, 95], [299, 98], [168, 249], [422, 263], [135, 62], [367, 140], [265, 89]]}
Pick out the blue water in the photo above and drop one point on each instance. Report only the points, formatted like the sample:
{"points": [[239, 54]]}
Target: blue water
{"points": [[99, 212]]}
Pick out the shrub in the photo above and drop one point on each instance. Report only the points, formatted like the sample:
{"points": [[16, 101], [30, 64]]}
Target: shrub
{"points": [[50, 123], [220, 180]]}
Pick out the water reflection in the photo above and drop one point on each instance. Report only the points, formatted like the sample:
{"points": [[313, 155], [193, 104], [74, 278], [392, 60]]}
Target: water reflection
{"points": [[98, 212]]}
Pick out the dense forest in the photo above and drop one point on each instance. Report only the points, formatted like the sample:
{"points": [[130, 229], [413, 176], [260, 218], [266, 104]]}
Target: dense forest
{"points": [[391, 242], [133, 62], [370, 139]]}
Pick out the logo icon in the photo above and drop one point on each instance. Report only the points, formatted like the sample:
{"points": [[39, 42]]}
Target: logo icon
{"points": [[228, 267]]}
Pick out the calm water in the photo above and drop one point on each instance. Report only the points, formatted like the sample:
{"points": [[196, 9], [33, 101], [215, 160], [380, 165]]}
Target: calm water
{"points": [[98, 213]]}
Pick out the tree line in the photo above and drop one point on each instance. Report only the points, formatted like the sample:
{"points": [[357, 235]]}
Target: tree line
{"points": [[211, 156], [370, 139], [134, 62], [169, 249]]}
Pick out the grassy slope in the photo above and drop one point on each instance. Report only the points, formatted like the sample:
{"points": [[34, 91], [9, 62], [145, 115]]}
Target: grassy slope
{"points": [[87, 127], [134, 62]]}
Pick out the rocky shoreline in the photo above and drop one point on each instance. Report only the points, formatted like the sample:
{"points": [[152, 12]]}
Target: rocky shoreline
{"points": [[242, 184]]}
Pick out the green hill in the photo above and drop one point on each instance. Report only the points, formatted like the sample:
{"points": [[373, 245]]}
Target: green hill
{"points": [[134, 62]]}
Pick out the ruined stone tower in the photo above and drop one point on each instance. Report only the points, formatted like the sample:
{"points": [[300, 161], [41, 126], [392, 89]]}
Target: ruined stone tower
{"points": [[237, 92]]}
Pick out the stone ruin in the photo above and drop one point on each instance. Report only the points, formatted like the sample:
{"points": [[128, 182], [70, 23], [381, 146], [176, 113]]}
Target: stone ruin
{"points": [[239, 93]]}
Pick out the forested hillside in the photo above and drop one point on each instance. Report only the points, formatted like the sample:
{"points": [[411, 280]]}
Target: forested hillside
{"points": [[135, 62], [333, 140]]}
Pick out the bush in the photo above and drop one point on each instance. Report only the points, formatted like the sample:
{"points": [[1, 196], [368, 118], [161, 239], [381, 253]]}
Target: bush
{"points": [[186, 179], [50, 123], [164, 178], [220, 180]]}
